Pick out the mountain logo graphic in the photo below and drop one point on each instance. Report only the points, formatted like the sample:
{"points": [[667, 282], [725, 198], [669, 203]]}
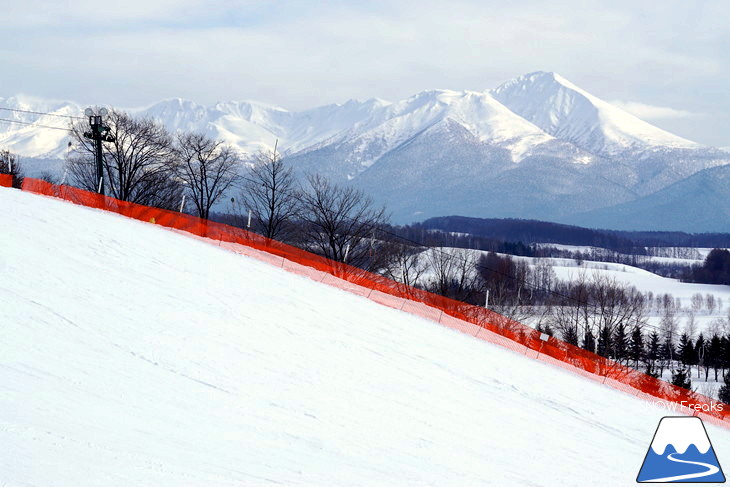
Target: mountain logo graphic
{"points": [[681, 452]]}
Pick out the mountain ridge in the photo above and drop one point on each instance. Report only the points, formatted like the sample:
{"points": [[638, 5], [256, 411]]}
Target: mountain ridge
{"points": [[571, 113], [536, 146], [278, 120]]}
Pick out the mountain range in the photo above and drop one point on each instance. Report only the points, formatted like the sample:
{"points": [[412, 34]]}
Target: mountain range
{"points": [[535, 147]]}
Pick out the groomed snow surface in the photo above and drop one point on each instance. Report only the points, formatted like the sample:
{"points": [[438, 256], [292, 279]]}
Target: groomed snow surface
{"points": [[134, 356]]}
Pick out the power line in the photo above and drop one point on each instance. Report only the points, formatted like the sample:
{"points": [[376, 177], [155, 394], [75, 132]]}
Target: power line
{"points": [[33, 124], [40, 113]]}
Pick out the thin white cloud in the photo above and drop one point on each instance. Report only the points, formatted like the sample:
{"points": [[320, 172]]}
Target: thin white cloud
{"points": [[653, 112], [300, 54], [92, 15]]}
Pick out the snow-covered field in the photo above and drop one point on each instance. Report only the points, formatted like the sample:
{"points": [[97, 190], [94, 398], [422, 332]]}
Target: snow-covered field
{"points": [[130, 355], [667, 255], [644, 281]]}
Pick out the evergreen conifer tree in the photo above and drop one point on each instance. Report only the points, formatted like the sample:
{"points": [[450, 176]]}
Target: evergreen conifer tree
{"points": [[681, 378], [700, 356], [724, 393], [685, 350], [652, 351], [604, 342], [636, 346], [589, 342], [571, 335], [620, 343], [666, 356], [714, 352]]}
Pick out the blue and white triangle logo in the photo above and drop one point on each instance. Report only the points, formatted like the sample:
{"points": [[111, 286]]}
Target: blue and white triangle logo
{"points": [[681, 452]]}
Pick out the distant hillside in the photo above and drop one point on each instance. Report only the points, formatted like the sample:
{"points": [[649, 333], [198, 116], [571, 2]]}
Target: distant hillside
{"points": [[535, 231], [699, 203]]}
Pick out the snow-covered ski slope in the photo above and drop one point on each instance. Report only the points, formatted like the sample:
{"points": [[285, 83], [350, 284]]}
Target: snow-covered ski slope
{"points": [[132, 355]]}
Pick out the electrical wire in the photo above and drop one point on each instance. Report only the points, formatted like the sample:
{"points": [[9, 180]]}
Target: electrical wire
{"points": [[33, 124], [40, 113]]}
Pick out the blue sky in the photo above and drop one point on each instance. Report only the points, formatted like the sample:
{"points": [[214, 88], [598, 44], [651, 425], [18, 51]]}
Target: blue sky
{"points": [[665, 61]]}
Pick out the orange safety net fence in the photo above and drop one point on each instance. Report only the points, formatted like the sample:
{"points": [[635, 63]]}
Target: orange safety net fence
{"points": [[476, 321], [6, 180]]}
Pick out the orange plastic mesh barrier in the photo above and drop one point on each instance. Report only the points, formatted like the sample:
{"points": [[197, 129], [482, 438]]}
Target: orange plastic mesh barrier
{"points": [[476, 321], [6, 180]]}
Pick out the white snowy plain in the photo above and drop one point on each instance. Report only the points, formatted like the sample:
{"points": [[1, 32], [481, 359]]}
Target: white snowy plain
{"points": [[131, 355], [645, 281]]}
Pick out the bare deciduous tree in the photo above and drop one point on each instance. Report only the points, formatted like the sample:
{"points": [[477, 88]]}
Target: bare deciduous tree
{"points": [[616, 303], [508, 282], [207, 167], [407, 265], [543, 276], [338, 222], [138, 166], [10, 164], [697, 302], [453, 273], [690, 325], [270, 193], [573, 311], [668, 328], [598, 306]]}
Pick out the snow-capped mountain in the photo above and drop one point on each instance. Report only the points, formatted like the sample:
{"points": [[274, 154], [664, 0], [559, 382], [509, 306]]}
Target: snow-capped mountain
{"points": [[535, 147], [248, 125], [252, 126], [650, 158], [31, 134], [362, 131], [567, 112], [479, 113], [429, 115]]}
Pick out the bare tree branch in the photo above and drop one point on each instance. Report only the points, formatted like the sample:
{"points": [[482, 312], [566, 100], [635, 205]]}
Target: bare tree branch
{"points": [[138, 166], [271, 194], [207, 168], [339, 222]]}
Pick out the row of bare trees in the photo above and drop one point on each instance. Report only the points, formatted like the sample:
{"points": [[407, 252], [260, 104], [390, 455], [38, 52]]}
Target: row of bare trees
{"points": [[145, 164], [590, 307], [148, 165], [587, 305], [338, 222]]}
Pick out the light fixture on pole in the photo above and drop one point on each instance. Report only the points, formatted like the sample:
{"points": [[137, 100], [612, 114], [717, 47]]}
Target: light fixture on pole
{"points": [[99, 133]]}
